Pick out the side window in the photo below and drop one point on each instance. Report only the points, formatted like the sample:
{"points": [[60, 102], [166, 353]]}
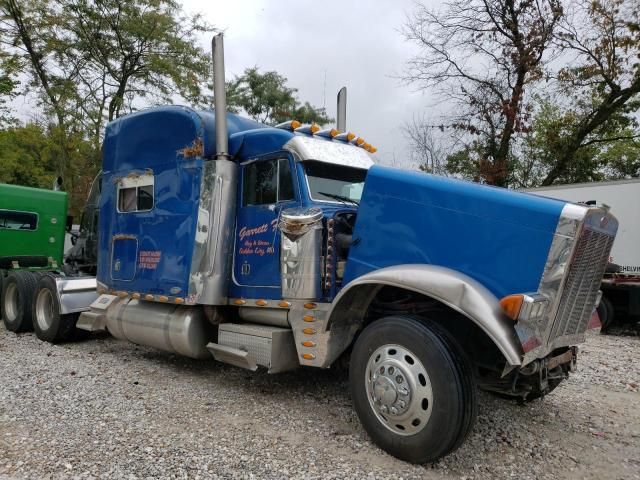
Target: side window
{"points": [[135, 194], [12, 220], [267, 182]]}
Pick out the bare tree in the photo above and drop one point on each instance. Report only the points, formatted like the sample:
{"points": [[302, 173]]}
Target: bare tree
{"points": [[426, 149], [481, 55], [603, 82]]}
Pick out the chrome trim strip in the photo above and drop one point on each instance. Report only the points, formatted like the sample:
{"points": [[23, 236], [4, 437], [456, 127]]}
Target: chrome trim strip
{"points": [[454, 289]]}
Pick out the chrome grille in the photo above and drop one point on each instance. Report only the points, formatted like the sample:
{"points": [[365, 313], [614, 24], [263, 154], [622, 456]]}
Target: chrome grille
{"points": [[583, 282]]}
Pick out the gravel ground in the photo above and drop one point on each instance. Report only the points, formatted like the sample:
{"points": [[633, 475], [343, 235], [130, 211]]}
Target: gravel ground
{"points": [[103, 408]]}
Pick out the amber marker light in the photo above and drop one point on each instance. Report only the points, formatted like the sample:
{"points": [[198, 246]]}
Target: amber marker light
{"points": [[309, 344], [309, 331], [135, 296], [162, 298], [308, 356], [309, 318], [511, 304], [262, 303], [359, 141], [148, 296], [373, 150], [123, 294], [239, 301], [178, 300], [284, 304], [310, 306]]}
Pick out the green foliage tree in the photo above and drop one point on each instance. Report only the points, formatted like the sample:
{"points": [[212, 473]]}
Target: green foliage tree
{"points": [[266, 98]]}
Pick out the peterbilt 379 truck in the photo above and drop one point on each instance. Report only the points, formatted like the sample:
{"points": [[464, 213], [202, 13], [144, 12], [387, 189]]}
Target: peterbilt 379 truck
{"points": [[289, 247]]}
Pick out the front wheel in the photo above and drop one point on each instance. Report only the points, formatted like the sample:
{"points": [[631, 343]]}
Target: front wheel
{"points": [[412, 388]]}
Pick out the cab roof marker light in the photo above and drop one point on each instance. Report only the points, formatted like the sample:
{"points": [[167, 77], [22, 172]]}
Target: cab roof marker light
{"points": [[367, 146], [308, 129], [359, 141], [328, 133], [373, 150], [345, 136], [289, 125]]}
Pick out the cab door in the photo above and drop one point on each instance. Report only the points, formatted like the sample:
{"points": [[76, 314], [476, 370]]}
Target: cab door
{"points": [[267, 187]]}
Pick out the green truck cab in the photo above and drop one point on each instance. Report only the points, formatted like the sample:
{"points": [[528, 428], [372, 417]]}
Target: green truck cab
{"points": [[32, 227], [40, 288]]}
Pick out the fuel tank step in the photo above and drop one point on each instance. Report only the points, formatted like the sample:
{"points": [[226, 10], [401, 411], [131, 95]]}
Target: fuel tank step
{"points": [[248, 345]]}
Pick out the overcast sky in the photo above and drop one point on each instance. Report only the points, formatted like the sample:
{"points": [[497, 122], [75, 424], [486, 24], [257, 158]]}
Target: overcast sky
{"points": [[355, 44]]}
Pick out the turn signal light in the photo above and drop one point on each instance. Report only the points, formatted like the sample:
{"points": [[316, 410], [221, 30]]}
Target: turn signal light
{"points": [[512, 304]]}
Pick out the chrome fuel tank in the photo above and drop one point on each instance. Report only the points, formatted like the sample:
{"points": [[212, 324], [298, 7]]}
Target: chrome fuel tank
{"points": [[173, 328]]}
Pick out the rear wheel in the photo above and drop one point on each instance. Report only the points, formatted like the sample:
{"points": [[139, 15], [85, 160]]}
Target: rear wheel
{"points": [[412, 388], [17, 294], [606, 313], [48, 324]]}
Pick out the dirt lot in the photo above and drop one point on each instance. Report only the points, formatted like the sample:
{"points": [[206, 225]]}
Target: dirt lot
{"points": [[103, 408]]}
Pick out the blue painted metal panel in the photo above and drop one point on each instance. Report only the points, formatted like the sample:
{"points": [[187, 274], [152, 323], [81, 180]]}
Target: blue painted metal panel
{"points": [[155, 140], [497, 236]]}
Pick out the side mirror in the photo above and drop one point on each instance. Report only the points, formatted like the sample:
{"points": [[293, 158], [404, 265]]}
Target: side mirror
{"points": [[69, 223]]}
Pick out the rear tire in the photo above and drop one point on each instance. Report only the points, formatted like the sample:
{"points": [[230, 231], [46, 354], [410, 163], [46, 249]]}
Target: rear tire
{"points": [[606, 312], [48, 324], [17, 295], [412, 388]]}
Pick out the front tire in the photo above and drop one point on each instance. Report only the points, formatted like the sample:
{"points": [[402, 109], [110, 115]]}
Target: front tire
{"points": [[48, 324], [17, 294], [412, 388]]}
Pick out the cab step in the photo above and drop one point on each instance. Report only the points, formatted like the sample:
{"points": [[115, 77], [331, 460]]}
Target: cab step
{"points": [[249, 345]]}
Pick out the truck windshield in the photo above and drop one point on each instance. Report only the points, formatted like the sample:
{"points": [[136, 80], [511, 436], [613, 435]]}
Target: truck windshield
{"points": [[329, 182]]}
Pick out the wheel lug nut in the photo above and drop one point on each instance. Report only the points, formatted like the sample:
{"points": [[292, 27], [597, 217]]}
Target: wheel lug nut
{"points": [[384, 409], [403, 391], [391, 370], [382, 370], [394, 411], [401, 404], [399, 379]]}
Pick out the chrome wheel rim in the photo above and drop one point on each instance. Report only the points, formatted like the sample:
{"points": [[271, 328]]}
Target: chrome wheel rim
{"points": [[44, 309], [11, 302], [398, 389]]}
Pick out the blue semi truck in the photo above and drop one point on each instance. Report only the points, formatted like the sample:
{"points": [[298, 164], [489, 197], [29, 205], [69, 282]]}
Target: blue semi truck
{"points": [[289, 247]]}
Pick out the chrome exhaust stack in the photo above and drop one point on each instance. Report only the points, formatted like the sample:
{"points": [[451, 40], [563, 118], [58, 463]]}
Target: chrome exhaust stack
{"points": [[220, 97], [341, 123]]}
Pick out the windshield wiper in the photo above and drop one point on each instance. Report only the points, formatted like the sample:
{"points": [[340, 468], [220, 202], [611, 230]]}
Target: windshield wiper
{"points": [[340, 197]]}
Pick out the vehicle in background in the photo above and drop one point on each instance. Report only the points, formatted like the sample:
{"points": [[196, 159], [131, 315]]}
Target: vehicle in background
{"points": [[621, 283], [40, 288]]}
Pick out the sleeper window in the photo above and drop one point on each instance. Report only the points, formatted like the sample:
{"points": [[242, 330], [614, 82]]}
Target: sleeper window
{"points": [[13, 220], [135, 194]]}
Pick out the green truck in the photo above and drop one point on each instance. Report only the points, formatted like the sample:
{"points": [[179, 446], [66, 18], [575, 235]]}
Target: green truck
{"points": [[38, 289]]}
